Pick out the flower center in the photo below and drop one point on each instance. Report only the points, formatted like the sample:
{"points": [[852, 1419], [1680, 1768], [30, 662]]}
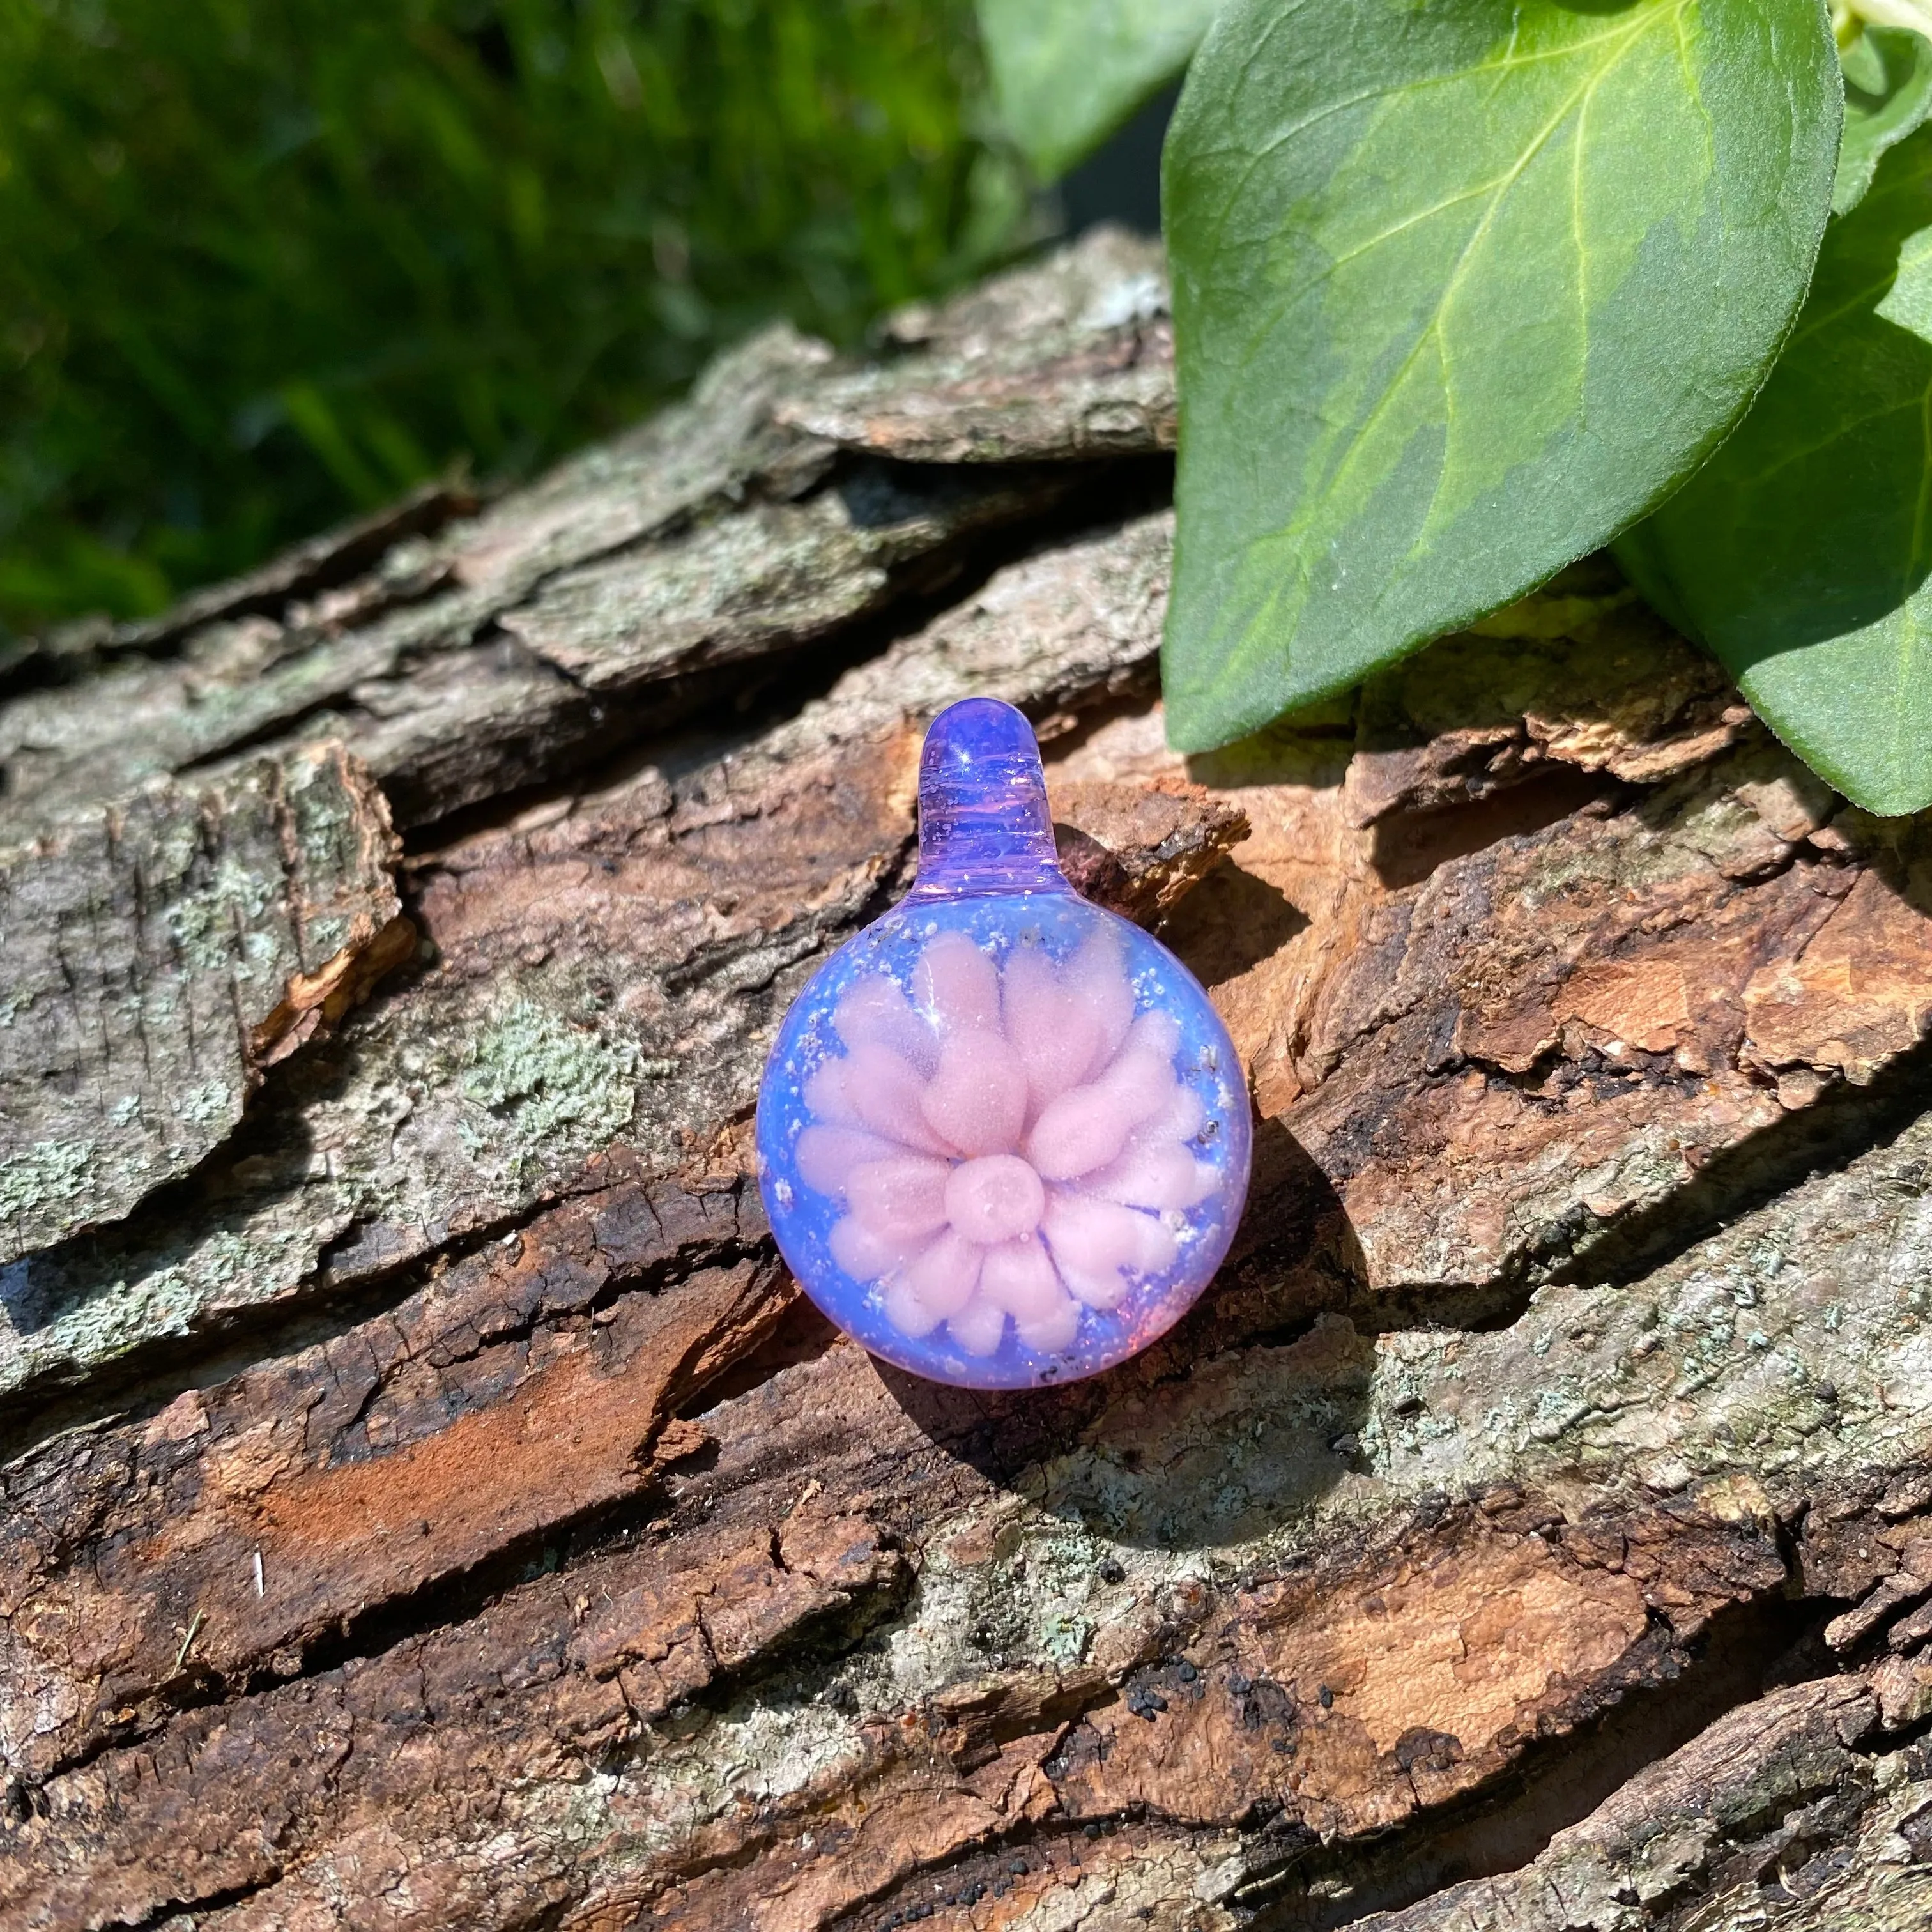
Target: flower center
{"points": [[998, 1198]]}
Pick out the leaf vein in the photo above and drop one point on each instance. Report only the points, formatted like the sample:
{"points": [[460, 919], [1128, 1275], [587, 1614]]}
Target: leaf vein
{"points": [[1435, 328]]}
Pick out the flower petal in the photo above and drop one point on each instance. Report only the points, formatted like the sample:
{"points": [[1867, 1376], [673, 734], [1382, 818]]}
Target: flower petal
{"points": [[826, 1156], [1018, 1277], [1181, 1119], [945, 1277], [1087, 1128], [978, 1327], [906, 1311], [1078, 1132], [1054, 1330], [1055, 1033], [1091, 1236], [1156, 1177], [957, 985], [1100, 1288], [827, 1092], [1155, 1250], [900, 1198], [1153, 1037], [1086, 1233], [882, 1091], [865, 1255], [1097, 975], [977, 1100], [875, 1009]]}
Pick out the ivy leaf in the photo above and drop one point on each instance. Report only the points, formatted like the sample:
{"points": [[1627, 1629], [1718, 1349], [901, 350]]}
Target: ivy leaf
{"points": [[1067, 73], [1800, 554], [1888, 93], [1459, 290]]}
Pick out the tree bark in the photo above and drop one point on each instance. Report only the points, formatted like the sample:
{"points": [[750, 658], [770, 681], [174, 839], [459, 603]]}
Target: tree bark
{"points": [[431, 1504]]}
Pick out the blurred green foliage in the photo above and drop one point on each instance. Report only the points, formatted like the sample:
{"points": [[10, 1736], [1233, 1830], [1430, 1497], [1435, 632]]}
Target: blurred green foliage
{"points": [[262, 266]]}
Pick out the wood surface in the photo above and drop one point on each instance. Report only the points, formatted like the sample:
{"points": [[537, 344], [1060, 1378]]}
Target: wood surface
{"points": [[427, 1503]]}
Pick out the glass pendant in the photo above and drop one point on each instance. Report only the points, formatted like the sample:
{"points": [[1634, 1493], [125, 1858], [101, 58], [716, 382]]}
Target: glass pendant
{"points": [[1003, 1135]]}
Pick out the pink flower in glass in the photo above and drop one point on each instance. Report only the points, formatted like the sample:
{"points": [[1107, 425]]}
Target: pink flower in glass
{"points": [[1005, 1143]]}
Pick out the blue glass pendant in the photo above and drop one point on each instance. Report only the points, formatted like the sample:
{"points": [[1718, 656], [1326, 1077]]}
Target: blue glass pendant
{"points": [[1003, 1136]]}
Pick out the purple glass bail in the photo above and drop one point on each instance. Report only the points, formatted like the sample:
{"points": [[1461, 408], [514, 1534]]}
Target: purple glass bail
{"points": [[1004, 1137], [983, 822]]}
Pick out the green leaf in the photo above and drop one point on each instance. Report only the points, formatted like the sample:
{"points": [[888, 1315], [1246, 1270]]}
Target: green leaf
{"points": [[1460, 289], [1800, 553], [1067, 73], [1888, 93]]}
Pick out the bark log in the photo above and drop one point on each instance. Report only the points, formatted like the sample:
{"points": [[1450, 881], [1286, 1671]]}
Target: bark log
{"points": [[428, 1502]]}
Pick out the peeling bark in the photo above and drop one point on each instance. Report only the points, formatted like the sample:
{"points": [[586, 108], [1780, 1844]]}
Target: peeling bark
{"points": [[429, 1502], [1073, 359], [161, 953]]}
